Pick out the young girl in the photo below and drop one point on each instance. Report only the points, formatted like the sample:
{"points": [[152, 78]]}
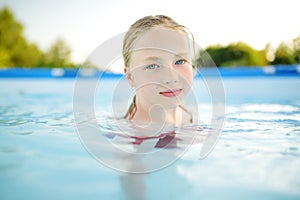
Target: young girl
{"points": [[158, 57]]}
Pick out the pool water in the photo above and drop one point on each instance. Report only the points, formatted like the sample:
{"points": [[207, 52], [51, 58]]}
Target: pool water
{"points": [[257, 155]]}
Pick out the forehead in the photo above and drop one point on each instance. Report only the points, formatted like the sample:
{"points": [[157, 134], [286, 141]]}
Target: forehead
{"points": [[162, 39]]}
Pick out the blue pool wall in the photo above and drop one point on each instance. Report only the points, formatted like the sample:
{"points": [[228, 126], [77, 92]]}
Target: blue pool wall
{"points": [[277, 70]]}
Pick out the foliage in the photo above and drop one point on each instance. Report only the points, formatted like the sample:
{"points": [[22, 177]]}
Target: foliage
{"points": [[238, 54], [296, 49], [15, 50], [288, 52], [58, 55], [241, 54]]}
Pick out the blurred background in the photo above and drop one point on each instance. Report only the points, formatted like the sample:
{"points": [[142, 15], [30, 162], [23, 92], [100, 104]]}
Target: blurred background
{"points": [[63, 33], [44, 44]]}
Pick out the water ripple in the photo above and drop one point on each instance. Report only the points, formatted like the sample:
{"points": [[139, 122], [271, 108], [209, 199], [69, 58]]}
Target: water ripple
{"points": [[25, 120]]}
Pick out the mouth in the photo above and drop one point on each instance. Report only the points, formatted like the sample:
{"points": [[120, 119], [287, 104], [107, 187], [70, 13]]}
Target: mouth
{"points": [[171, 93]]}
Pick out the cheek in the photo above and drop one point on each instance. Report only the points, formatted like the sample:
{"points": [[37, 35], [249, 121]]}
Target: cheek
{"points": [[147, 92], [150, 79], [187, 76], [147, 88]]}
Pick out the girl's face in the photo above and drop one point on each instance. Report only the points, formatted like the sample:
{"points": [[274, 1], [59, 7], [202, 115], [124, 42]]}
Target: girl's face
{"points": [[161, 67]]}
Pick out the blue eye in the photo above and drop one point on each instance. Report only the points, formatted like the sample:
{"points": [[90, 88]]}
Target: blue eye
{"points": [[180, 62], [152, 66]]}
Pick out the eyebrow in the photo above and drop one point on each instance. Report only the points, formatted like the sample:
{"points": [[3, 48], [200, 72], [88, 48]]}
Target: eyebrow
{"points": [[155, 58], [182, 54], [185, 55], [152, 58]]}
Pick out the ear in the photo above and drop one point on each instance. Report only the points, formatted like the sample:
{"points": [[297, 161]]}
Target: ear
{"points": [[128, 76]]}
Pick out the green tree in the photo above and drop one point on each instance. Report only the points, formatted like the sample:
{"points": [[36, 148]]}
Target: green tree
{"points": [[14, 49], [236, 54], [284, 54], [296, 49], [58, 55]]}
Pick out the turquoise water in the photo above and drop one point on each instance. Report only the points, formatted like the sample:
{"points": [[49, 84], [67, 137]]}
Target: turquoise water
{"points": [[257, 155]]}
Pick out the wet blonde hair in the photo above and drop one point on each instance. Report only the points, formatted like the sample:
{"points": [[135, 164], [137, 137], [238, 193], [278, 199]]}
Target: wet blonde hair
{"points": [[135, 31]]}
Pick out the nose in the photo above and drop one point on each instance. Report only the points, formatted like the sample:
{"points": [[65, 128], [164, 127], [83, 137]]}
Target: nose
{"points": [[170, 76]]}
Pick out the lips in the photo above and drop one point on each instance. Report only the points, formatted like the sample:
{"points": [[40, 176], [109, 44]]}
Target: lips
{"points": [[171, 93]]}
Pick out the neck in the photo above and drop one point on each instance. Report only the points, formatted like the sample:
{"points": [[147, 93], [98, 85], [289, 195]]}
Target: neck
{"points": [[158, 114]]}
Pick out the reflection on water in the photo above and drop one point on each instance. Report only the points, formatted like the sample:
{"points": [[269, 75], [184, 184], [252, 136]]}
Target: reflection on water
{"points": [[134, 147], [122, 131], [257, 155]]}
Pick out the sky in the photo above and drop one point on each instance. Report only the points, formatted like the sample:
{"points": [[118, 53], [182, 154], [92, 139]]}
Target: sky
{"points": [[86, 24]]}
